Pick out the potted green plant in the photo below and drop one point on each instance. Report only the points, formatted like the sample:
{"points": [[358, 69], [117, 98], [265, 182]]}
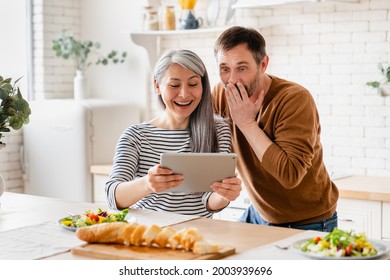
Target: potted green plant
{"points": [[383, 86], [14, 109], [84, 53]]}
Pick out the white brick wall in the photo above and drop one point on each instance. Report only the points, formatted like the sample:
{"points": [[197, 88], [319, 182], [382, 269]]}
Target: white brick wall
{"points": [[53, 76]]}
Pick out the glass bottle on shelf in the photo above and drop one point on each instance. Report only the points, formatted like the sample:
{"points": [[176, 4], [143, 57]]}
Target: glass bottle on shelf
{"points": [[168, 18], [150, 19]]}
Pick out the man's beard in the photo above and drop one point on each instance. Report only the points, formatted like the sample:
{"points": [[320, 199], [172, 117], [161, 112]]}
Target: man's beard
{"points": [[253, 85]]}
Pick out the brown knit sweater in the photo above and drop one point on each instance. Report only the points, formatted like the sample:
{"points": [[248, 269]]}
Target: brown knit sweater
{"points": [[291, 184]]}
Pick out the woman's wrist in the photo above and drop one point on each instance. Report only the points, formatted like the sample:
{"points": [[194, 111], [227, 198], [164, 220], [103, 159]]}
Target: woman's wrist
{"points": [[216, 202]]}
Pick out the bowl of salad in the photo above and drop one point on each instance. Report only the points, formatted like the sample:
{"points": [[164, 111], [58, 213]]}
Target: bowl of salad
{"points": [[341, 244], [89, 218]]}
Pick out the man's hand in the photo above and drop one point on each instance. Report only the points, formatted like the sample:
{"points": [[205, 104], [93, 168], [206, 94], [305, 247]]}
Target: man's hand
{"points": [[243, 109]]}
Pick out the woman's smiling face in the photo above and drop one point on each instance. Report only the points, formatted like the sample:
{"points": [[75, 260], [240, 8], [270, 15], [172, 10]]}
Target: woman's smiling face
{"points": [[181, 91]]}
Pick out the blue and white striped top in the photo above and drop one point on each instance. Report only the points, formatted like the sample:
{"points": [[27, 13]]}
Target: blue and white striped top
{"points": [[139, 148]]}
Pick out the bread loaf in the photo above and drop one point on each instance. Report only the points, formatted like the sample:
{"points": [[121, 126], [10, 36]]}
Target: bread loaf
{"points": [[134, 234], [104, 233]]}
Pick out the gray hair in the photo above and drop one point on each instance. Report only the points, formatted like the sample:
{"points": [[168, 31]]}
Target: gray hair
{"points": [[202, 126]]}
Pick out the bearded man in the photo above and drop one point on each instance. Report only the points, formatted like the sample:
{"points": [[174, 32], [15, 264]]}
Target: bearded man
{"points": [[276, 134]]}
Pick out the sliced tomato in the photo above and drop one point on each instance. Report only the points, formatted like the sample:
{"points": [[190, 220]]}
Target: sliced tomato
{"points": [[94, 217], [348, 249], [317, 239]]}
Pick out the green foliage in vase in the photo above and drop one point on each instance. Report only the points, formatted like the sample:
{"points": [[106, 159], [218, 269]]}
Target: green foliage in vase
{"points": [[67, 47], [14, 109]]}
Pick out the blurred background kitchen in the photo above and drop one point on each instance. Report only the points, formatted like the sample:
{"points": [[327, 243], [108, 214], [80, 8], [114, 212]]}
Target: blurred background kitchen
{"points": [[332, 47]]}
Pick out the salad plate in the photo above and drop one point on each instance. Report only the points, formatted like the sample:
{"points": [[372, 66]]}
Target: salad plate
{"points": [[72, 222], [381, 248], [71, 227]]}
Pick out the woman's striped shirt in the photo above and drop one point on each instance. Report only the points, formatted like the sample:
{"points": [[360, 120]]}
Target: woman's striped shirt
{"points": [[139, 149]]}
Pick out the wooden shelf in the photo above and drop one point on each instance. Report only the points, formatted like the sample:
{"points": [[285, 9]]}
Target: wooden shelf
{"points": [[178, 32]]}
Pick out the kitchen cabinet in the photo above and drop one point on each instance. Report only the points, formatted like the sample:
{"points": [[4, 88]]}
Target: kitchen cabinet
{"points": [[386, 220], [100, 176], [65, 137], [360, 216], [364, 205], [99, 182]]}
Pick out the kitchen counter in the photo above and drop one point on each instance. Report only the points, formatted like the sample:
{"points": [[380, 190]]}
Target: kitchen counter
{"points": [[364, 187], [101, 169], [354, 186]]}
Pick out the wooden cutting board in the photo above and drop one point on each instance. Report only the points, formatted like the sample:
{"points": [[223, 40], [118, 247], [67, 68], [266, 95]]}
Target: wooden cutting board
{"points": [[123, 252]]}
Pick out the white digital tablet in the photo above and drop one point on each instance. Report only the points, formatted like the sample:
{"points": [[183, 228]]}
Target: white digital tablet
{"points": [[200, 170]]}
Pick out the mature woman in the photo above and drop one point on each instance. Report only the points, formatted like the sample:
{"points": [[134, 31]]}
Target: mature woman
{"points": [[187, 124]]}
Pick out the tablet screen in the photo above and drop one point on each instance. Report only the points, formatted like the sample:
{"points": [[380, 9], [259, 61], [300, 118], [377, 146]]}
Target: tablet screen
{"points": [[200, 170]]}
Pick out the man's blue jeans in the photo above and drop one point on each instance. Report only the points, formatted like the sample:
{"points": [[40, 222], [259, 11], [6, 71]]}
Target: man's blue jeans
{"points": [[252, 216]]}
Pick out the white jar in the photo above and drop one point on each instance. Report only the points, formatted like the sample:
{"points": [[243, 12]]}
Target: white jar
{"points": [[151, 21], [80, 84]]}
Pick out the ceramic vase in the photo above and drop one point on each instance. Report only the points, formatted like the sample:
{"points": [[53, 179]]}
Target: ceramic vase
{"points": [[189, 21], [80, 86]]}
